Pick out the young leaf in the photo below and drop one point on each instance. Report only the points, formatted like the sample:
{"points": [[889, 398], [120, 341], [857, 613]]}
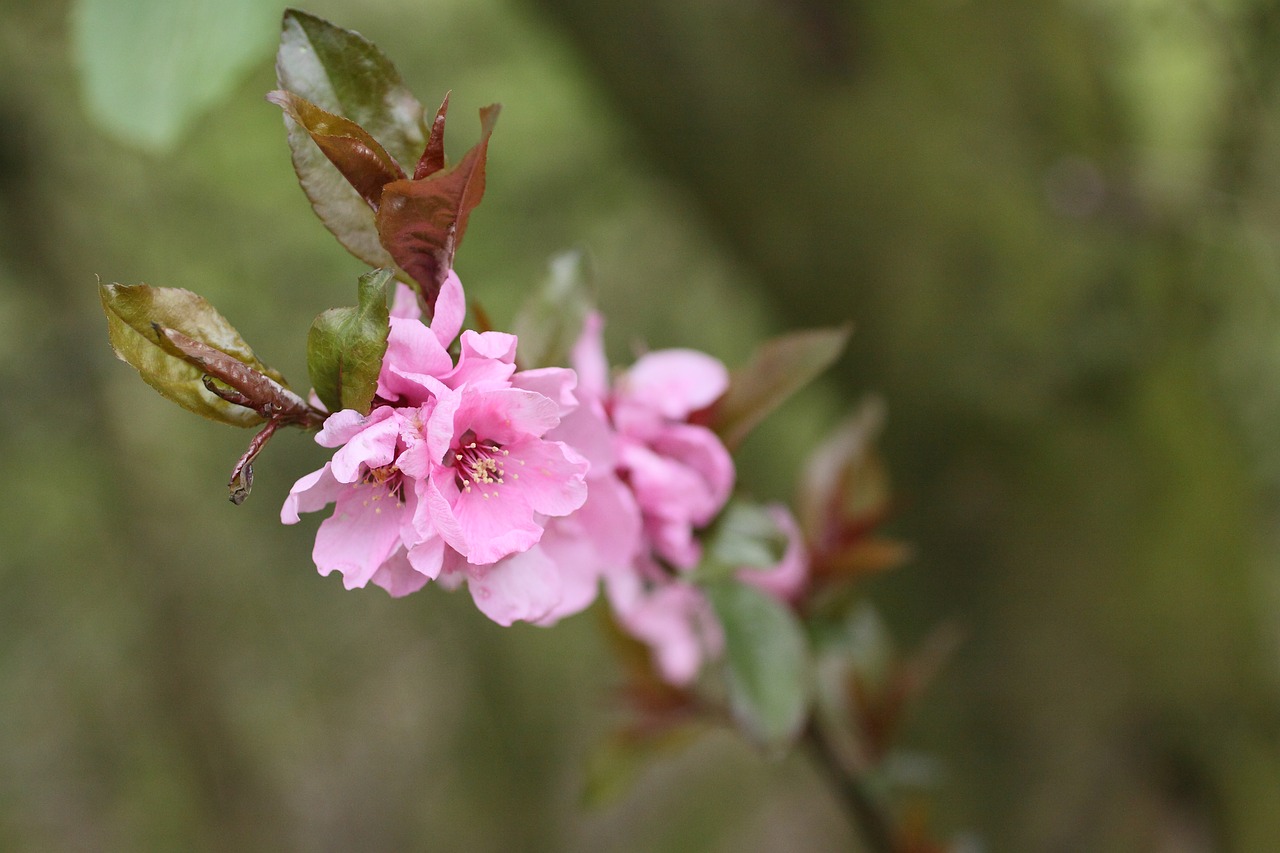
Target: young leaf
{"points": [[138, 318], [362, 161], [432, 159], [777, 370], [345, 347], [767, 661], [422, 222], [551, 319], [343, 73]]}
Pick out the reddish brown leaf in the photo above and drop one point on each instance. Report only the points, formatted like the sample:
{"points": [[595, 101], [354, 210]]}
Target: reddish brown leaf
{"points": [[421, 222], [358, 156], [255, 390], [432, 159]]}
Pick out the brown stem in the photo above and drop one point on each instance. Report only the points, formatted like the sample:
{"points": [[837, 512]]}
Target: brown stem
{"points": [[868, 816]]}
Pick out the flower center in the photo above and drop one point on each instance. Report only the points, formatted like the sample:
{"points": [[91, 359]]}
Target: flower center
{"points": [[481, 464], [386, 477]]}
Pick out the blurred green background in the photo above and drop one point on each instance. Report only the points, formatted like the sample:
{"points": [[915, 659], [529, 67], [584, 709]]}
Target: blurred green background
{"points": [[1056, 226]]}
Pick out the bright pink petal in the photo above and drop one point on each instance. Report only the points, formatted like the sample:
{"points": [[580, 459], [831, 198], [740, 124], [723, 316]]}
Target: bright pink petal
{"points": [[548, 475], [398, 577], [664, 487], [486, 360], [361, 534], [450, 310], [699, 449], [523, 587], [495, 523], [404, 305], [554, 382], [313, 492], [588, 357], [505, 415], [413, 353], [427, 558], [675, 382], [372, 447], [586, 429], [434, 514], [341, 426]]}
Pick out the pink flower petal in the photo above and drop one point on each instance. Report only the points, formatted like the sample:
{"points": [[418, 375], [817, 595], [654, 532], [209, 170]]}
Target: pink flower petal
{"points": [[311, 493], [554, 382], [361, 534], [588, 357], [398, 577], [413, 352], [404, 305], [450, 310], [675, 382], [495, 523], [505, 415], [548, 476], [341, 426], [523, 587], [372, 447]]}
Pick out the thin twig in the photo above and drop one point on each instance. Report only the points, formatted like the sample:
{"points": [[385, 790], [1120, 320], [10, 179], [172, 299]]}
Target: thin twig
{"points": [[868, 816]]}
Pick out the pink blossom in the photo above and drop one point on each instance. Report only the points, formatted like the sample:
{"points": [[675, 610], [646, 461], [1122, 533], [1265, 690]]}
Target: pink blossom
{"points": [[451, 475], [679, 476], [681, 473], [370, 536], [675, 619]]}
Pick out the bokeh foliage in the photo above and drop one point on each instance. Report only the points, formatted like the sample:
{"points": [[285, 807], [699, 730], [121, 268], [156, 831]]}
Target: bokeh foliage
{"points": [[1054, 225]]}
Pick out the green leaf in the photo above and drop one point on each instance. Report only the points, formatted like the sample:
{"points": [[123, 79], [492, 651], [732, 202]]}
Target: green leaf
{"points": [[141, 321], [551, 319], [767, 663], [365, 164], [149, 68], [777, 370], [746, 536], [343, 73], [422, 222], [345, 347]]}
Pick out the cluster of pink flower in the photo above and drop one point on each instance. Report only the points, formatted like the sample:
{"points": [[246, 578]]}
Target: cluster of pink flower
{"points": [[534, 487]]}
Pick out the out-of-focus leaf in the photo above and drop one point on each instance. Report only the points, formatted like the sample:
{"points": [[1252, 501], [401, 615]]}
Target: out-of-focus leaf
{"points": [[148, 68], [343, 73], [777, 370], [767, 661], [551, 318], [345, 347], [842, 476], [422, 222], [362, 161], [138, 315], [745, 536]]}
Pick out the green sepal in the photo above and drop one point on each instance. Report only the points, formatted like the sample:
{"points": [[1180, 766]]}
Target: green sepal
{"points": [[345, 347]]}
